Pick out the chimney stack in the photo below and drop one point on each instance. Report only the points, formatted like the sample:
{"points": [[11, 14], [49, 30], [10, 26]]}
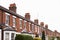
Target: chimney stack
{"points": [[55, 30], [42, 24], [36, 21], [27, 16], [46, 26], [12, 7]]}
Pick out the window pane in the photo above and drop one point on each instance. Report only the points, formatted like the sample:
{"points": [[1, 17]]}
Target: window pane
{"points": [[29, 27], [32, 27], [12, 36], [20, 24], [7, 36], [14, 22], [7, 19], [25, 24]]}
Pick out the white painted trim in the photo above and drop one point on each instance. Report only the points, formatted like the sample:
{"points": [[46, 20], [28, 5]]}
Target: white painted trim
{"points": [[32, 24], [9, 34], [14, 16], [0, 34], [46, 37], [38, 29], [7, 13], [20, 19], [18, 33], [7, 24], [55, 38], [25, 21]]}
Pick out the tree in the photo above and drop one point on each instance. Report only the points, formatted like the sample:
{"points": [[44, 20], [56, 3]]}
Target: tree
{"points": [[43, 35]]}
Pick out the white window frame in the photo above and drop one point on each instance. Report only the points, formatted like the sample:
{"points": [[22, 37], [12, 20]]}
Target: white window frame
{"points": [[32, 27], [14, 21], [20, 23], [38, 29], [12, 38], [29, 26], [7, 19], [10, 32], [0, 33], [6, 36], [35, 28], [25, 24]]}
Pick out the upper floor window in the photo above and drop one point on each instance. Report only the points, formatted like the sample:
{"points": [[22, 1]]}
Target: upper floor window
{"points": [[32, 27], [25, 24], [20, 23], [29, 27], [14, 21], [7, 19], [35, 28], [38, 29]]}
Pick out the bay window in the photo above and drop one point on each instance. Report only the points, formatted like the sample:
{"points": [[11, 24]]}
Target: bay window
{"points": [[7, 36], [12, 36]]}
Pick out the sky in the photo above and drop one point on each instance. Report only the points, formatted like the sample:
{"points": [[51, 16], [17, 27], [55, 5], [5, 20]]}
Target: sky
{"points": [[46, 11]]}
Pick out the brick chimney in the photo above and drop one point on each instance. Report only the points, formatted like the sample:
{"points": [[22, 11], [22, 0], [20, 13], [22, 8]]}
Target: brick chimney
{"points": [[55, 32], [42, 24], [27, 16], [46, 26], [36, 21], [12, 7]]}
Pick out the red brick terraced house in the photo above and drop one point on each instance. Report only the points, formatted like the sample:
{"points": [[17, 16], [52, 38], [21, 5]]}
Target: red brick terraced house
{"points": [[12, 23]]}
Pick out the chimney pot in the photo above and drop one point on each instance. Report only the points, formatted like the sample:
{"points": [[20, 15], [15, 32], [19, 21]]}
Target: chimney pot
{"points": [[36, 21], [46, 26], [27, 16], [42, 24], [12, 7]]}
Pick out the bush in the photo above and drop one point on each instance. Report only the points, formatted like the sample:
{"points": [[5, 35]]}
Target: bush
{"points": [[23, 37], [43, 35], [51, 38], [58, 38], [37, 38]]}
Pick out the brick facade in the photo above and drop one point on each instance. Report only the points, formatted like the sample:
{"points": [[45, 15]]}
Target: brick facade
{"points": [[28, 29]]}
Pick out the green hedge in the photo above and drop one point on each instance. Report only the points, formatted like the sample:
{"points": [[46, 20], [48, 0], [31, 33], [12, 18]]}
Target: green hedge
{"points": [[23, 37], [58, 38], [37, 38], [51, 38]]}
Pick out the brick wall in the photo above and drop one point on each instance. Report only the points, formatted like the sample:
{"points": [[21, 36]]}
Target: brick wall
{"points": [[27, 16]]}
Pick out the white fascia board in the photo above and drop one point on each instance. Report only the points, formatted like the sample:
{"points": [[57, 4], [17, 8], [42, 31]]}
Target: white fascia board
{"points": [[9, 34], [21, 19], [14, 16], [30, 23], [0, 34], [9, 31], [0, 29], [7, 13], [25, 21], [18, 33]]}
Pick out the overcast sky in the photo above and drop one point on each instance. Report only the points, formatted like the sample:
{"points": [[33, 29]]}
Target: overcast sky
{"points": [[47, 11]]}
